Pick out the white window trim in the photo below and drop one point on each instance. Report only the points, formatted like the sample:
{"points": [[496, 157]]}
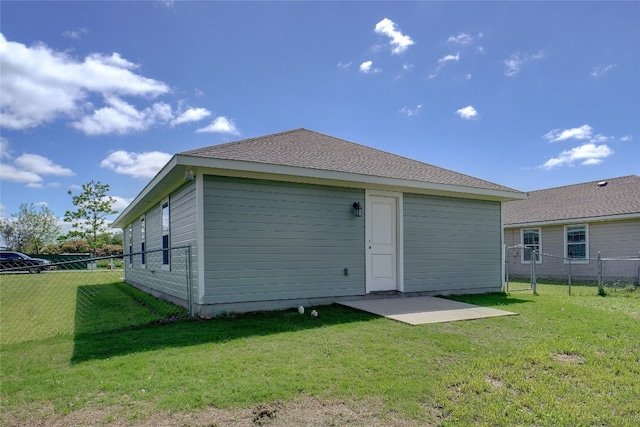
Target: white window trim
{"points": [[539, 259], [130, 238], [399, 196], [165, 201], [143, 241], [586, 249]]}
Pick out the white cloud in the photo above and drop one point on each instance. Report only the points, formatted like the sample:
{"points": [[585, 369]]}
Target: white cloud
{"points": [[410, 112], [122, 118], [626, 138], [4, 148], [121, 202], [138, 165], [461, 38], [467, 113], [344, 65], [12, 174], [221, 125], [367, 68], [442, 62], [75, 34], [516, 61], [601, 69], [28, 168], [586, 154], [41, 165], [556, 135], [449, 58], [191, 115], [39, 85], [399, 41]]}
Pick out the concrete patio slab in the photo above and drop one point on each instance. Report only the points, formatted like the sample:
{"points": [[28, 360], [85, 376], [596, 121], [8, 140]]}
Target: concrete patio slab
{"points": [[421, 310]]}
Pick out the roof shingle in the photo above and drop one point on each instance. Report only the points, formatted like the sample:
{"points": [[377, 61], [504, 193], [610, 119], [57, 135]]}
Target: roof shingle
{"points": [[307, 149], [619, 196]]}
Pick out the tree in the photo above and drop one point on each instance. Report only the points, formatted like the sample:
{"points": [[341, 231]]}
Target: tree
{"points": [[93, 206], [30, 230], [14, 238]]}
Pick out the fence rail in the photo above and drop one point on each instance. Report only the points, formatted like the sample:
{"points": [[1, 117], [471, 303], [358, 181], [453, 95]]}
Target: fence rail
{"points": [[525, 267]]}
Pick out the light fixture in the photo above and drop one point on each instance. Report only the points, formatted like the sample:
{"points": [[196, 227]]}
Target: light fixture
{"points": [[357, 209], [188, 174]]}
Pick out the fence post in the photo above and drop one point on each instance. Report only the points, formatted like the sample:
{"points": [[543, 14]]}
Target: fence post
{"points": [[534, 257], [638, 281], [600, 289], [569, 275], [506, 269]]}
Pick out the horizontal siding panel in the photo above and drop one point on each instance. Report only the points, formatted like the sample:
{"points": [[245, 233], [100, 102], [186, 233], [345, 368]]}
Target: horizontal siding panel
{"points": [[320, 291], [611, 239], [182, 227], [270, 240], [451, 245]]}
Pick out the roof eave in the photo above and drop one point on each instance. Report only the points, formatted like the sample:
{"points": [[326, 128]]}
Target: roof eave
{"points": [[171, 176], [302, 174], [621, 217], [153, 190]]}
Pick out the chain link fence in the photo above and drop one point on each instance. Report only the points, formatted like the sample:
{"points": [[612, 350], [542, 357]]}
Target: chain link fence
{"points": [[80, 294], [599, 275]]}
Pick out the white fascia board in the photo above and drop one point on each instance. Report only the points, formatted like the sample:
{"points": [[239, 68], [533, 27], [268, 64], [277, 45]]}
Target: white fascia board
{"points": [[154, 184], [575, 221], [343, 179]]}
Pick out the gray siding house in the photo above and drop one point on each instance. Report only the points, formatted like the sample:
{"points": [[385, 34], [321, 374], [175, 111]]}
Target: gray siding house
{"points": [[302, 218], [578, 222]]}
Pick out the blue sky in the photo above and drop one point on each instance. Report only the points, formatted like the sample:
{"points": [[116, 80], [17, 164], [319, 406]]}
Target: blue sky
{"points": [[525, 94]]}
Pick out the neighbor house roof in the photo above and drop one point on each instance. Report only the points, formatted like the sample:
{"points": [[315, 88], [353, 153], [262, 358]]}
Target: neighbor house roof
{"points": [[305, 156], [307, 149], [615, 198]]}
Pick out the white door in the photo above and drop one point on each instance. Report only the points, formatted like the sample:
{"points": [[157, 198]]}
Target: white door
{"points": [[381, 240]]}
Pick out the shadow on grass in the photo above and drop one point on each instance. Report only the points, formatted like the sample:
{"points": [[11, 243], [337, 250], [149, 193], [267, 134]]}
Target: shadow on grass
{"points": [[492, 300], [117, 319]]}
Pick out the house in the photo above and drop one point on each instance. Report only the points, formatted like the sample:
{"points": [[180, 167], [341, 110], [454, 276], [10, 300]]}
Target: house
{"points": [[301, 218], [574, 223]]}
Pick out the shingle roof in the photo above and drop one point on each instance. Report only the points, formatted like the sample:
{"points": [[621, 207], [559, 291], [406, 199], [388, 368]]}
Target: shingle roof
{"points": [[307, 149], [616, 196]]}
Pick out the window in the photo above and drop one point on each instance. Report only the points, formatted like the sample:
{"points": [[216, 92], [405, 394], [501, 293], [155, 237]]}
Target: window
{"points": [[130, 238], [576, 238], [165, 235], [531, 241], [143, 232]]}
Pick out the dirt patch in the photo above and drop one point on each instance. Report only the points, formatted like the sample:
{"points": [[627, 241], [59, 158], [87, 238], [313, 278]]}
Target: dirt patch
{"points": [[304, 411], [494, 382], [569, 358]]}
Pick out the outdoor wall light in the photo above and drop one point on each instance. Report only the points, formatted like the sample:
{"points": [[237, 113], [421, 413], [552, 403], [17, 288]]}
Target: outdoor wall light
{"points": [[188, 174], [357, 209]]}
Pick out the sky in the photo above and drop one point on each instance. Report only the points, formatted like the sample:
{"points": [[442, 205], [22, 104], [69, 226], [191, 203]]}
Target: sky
{"points": [[529, 95]]}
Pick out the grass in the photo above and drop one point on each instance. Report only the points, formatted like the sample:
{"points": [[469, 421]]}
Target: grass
{"points": [[38, 306], [565, 360]]}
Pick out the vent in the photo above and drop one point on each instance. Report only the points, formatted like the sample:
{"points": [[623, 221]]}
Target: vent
{"points": [[602, 183]]}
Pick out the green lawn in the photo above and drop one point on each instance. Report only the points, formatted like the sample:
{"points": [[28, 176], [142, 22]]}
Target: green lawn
{"points": [[565, 360]]}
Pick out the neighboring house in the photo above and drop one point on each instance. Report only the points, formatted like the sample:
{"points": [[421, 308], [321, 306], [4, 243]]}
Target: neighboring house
{"points": [[273, 223], [577, 222]]}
